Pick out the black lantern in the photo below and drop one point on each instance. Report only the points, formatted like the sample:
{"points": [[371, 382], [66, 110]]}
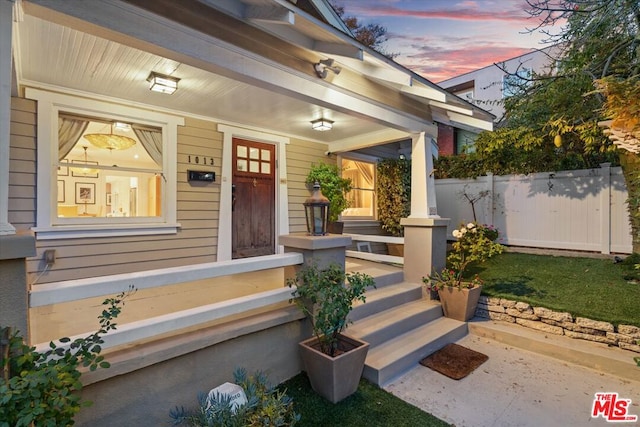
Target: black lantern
{"points": [[316, 211]]}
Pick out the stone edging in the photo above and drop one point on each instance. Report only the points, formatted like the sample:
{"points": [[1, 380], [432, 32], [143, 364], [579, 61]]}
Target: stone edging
{"points": [[559, 323]]}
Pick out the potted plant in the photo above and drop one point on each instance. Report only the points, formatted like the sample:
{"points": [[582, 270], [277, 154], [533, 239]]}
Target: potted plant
{"points": [[333, 361], [459, 295], [393, 193], [335, 188]]}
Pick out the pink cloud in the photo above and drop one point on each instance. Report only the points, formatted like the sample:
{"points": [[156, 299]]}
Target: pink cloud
{"points": [[438, 64], [505, 10]]}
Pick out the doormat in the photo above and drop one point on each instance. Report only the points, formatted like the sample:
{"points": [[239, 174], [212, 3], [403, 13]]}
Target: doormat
{"points": [[454, 361]]}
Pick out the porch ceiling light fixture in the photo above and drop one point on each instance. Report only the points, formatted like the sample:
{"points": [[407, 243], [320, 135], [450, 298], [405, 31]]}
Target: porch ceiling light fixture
{"points": [[321, 124], [162, 83], [325, 65], [110, 141]]}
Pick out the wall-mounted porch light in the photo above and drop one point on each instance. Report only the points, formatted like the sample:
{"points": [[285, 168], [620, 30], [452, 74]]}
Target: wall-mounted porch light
{"points": [[316, 212], [162, 83], [321, 124]]}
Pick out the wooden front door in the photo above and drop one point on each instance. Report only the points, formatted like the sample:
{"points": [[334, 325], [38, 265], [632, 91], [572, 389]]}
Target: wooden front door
{"points": [[253, 203]]}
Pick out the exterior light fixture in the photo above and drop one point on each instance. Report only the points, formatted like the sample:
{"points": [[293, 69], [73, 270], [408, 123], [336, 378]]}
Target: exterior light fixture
{"points": [[162, 83], [325, 65], [316, 212], [321, 124]]}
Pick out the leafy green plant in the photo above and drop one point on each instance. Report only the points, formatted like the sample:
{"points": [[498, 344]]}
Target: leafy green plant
{"points": [[393, 193], [326, 296], [43, 389], [332, 185], [475, 243], [266, 406]]}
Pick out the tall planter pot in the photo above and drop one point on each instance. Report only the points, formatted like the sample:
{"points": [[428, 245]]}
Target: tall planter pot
{"points": [[334, 378], [459, 304]]}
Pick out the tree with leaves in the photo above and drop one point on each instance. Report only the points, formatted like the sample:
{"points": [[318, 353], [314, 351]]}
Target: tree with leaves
{"points": [[553, 122], [372, 35]]}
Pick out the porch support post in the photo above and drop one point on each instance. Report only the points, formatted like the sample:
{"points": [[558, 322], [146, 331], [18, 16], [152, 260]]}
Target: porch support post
{"points": [[321, 250], [425, 233], [14, 309], [6, 31]]}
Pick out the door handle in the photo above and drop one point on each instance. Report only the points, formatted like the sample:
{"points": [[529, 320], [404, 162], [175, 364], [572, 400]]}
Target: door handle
{"points": [[233, 197]]}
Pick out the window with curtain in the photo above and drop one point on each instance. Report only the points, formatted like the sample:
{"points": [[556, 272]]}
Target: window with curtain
{"points": [[361, 197], [108, 169]]}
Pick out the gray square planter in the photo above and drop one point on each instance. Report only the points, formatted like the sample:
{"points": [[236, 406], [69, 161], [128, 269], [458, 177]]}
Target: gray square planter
{"points": [[334, 378]]}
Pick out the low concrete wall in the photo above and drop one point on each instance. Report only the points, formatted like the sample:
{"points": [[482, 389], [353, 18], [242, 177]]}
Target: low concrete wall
{"points": [[559, 323], [145, 396]]}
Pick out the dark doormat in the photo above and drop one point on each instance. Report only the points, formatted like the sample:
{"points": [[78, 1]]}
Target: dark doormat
{"points": [[454, 361]]}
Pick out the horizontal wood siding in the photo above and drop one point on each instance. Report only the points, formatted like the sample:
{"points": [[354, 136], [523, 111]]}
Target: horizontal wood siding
{"points": [[300, 156], [22, 164]]}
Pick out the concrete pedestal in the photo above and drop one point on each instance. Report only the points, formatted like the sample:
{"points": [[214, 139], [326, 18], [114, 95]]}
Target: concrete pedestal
{"points": [[321, 250], [425, 247], [14, 308]]}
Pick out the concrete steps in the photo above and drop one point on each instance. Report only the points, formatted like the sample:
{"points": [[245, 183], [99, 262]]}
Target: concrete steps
{"points": [[401, 327], [394, 357]]}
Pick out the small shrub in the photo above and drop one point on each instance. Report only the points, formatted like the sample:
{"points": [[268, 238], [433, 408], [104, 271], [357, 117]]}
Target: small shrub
{"points": [[266, 406], [43, 389]]}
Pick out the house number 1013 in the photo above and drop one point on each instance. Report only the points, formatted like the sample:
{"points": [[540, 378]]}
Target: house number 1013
{"points": [[201, 160]]}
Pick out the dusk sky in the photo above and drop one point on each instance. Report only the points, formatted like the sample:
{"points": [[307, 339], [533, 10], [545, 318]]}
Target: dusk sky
{"points": [[439, 39]]}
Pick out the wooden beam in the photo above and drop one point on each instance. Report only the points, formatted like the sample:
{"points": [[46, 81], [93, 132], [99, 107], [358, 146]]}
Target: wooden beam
{"points": [[270, 14]]}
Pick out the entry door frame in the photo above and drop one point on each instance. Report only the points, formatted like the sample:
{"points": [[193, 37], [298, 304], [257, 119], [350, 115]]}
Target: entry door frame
{"points": [[226, 177]]}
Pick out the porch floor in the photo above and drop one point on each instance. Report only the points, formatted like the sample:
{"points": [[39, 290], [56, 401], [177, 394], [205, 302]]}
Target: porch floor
{"points": [[54, 321]]}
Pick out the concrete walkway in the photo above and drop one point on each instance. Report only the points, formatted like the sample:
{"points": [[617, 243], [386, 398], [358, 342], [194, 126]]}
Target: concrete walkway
{"points": [[518, 387]]}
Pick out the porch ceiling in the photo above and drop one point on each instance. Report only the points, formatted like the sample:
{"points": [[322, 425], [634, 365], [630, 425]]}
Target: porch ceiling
{"points": [[56, 48]]}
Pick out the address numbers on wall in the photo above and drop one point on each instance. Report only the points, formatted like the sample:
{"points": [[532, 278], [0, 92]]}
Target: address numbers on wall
{"points": [[200, 160]]}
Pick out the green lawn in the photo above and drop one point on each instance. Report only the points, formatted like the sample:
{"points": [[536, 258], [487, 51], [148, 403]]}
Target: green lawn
{"points": [[598, 289], [370, 406]]}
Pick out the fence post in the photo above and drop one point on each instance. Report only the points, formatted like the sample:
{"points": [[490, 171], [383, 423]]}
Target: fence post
{"points": [[605, 209], [490, 197]]}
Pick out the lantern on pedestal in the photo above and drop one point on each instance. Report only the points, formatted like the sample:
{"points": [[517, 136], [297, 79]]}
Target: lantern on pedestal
{"points": [[316, 212]]}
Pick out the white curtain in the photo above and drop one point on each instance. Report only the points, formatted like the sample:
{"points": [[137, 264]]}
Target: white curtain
{"points": [[69, 132], [152, 142]]}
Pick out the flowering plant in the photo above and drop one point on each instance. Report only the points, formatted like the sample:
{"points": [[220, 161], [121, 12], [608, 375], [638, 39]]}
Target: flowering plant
{"points": [[475, 243]]}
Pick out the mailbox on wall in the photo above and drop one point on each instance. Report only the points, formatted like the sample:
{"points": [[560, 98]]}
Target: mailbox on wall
{"points": [[201, 176]]}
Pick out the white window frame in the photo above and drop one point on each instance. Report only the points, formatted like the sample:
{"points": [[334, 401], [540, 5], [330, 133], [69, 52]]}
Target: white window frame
{"points": [[365, 159], [50, 104]]}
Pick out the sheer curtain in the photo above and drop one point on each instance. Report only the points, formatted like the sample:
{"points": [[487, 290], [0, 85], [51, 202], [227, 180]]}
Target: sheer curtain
{"points": [[365, 182], [69, 132], [152, 142]]}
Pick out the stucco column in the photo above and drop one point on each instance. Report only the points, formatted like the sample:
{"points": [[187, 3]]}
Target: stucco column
{"points": [[6, 29], [322, 250], [425, 233], [14, 250]]}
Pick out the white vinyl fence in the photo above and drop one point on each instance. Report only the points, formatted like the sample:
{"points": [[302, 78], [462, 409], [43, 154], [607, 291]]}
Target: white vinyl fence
{"points": [[577, 210]]}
